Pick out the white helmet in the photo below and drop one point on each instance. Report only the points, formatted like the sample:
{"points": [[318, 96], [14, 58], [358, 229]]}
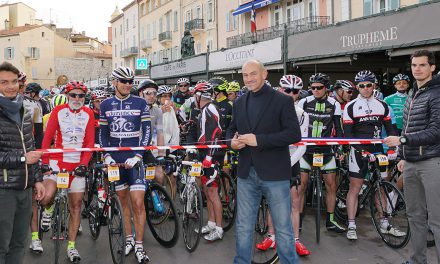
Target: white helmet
{"points": [[123, 72], [182, 80], [163, 89], [291, 81]]}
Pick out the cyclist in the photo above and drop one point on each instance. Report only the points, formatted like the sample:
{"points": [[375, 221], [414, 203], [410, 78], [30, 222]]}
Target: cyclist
{"points": [[219, 84], [125, 122], [148, 90], [72, 126], [33, 91], [290, 85], [180, 96], [98, 96], [35, 109], [363, 118], [232, 90], [343, 92], [324, 116], [56, 101], [397, 100], [209, 130], [170, 124]]}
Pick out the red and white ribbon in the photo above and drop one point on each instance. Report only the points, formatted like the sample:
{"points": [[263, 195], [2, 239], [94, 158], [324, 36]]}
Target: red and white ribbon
{"points": [[303, 142]]}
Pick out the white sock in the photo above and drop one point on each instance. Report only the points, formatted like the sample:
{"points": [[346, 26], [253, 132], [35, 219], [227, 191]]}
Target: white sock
{"points": [[271, 236], [351, 224], [211, 224]]}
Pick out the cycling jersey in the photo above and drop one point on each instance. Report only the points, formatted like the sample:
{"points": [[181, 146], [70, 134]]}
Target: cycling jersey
{"points": [[96, 115], [225, 108], [179, 98], [156, 123], [69, 129], [296, 152], [397, 102], [124, 123], [34, 107]]}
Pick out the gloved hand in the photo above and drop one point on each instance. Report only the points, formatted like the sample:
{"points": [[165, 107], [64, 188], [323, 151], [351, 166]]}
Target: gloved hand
{"points": [[207, 162], [131, 162], [392, 155], [109, 160], [46, 169], [160, 160], [80, 171], [371, 157]]}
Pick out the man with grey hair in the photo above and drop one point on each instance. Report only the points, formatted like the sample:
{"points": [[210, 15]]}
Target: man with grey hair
{"points": [[264, 124]]}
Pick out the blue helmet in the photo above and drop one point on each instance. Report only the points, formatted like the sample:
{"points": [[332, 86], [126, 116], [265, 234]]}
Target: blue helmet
{"points": [[401, 77], [365, 76]]}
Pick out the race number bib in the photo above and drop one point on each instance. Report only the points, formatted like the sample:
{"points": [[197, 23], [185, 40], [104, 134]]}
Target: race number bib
{"points": [[149, 173], [196, 170], [383, 160], [113, 173], [63, 180], [318, 160]]}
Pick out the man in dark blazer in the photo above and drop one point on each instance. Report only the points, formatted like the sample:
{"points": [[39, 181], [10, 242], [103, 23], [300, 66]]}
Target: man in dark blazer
{"points": [[264, 124]]}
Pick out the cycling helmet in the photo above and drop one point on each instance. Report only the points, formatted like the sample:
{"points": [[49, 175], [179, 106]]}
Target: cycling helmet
{"points": [[58, 100], [55, 90], [75, 85], [303, 94], [365, 76], [233, 87], [98, 94], [147, 84], [33, 88], [219, 84], [182, 80], [204, 90], [123, 72], [344, 84], [22, 77], [401, 77], [291, 81], [201, 81], [320, 78], [164, 89]]}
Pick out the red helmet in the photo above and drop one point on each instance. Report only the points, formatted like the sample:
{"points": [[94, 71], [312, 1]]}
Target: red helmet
{"points": [[204, 89], [75, 85]]}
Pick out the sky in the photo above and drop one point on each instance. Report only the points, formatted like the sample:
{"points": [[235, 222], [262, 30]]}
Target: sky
{"points": [[91, 16]]}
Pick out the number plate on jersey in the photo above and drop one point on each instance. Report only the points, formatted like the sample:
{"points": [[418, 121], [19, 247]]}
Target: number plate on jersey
{"points": [[149, 173], [383, 160], [113, 173], [196, 170], [318, 160], [63, 180]]}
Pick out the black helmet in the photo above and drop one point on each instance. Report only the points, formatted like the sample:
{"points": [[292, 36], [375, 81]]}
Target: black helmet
{"points": [[33, 88], [320, 78], [147, 84]]}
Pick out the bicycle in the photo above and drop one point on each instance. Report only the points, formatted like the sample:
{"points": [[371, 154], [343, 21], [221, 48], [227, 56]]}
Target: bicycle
{"points": [[269, 256], [160, 210], [227, 191], [61, 212], [106, 209], [385, 201], [190, 198]]}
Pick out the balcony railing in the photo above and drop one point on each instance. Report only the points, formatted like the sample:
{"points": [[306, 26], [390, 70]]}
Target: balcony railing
{"points": [[132, 51], [146, 44], [195, 24], [303, 24], [165, 36]]}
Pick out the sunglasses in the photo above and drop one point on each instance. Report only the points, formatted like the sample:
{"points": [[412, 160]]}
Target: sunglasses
{"points": [[74, 95], [150, 93], [124, 81], [348, 91], [293, 91], [365, 85], [317, 88], [166, 95], [98, 100], [184, 85]]}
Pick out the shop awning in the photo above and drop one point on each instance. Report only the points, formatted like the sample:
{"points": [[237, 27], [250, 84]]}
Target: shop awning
{"points": [[244, 8]]}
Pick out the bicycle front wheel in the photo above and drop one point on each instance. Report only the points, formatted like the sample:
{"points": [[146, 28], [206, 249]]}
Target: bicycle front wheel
{"points": [[318, 195], [228, 194], [116, 232], [57, 230], [94, 215], [161, 216], [388, 212], [270, 255], [192, 217]]}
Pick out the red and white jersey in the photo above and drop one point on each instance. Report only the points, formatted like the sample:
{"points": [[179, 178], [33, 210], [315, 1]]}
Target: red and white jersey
{"points": [[70, 129]]}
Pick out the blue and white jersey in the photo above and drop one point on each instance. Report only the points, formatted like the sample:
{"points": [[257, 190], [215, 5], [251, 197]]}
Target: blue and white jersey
{"points": [[124, 123]]}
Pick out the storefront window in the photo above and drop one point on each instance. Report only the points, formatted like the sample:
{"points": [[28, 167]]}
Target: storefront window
{"points": [[368, 7]]}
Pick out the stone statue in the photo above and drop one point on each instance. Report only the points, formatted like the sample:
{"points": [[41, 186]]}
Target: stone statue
{"points": [[187, 45]]}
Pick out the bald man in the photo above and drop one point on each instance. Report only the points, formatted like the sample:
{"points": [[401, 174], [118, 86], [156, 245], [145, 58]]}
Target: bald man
{"points": [[264, 124]]}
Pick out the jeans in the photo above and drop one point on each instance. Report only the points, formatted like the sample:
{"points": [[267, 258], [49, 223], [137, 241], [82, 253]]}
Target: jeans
{"points": [[277, 193], [422, 196], [15, 217]]}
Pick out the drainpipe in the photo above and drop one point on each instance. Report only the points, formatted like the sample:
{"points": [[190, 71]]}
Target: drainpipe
{"points": [[285, 50]]}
